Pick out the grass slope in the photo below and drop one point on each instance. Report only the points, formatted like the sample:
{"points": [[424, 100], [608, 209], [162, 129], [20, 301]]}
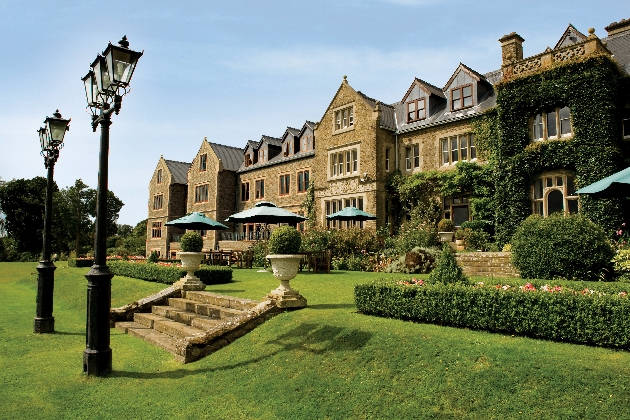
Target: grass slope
{"points": [[324, 361]]}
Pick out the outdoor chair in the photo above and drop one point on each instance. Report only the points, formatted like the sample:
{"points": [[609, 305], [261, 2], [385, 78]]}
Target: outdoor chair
{"points": [[320, 260]]}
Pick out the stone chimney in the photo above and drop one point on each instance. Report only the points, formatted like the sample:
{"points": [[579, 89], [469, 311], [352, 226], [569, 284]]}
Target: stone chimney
{"points": [[616, 27], [511, 48]]}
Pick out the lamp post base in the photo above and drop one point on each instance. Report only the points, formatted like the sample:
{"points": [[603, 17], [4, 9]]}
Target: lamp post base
{"points": [[97, 362], [44, 321], [44, 325]]}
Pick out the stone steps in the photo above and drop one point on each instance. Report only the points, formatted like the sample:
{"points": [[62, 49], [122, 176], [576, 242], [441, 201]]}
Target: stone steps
{"points": [[488, 264], [198, 323]]}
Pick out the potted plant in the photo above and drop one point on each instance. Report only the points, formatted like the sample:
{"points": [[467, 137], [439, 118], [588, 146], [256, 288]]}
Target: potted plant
{"points": [[191, 245], [460, 239], [445, 230], [283, 245]]}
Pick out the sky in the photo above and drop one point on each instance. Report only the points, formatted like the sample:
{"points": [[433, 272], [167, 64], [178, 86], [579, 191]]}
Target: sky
{"points": [[235, 70]]}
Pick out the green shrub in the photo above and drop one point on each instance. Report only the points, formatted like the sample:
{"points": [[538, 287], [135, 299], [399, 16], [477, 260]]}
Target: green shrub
{"points": [[352, 242], [315, 239], [284, 240], [580, 317], [260, 252], [411, 234], [476, 240], [191, 242], [570, 247], [208, 274], [447, 270], [354, 263], [417, 261], [153, 257], [445, 225], [80, 262], [621, 262]]}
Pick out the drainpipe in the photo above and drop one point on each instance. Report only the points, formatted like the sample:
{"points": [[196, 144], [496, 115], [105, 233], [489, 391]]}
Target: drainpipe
{"points": [[396, 136]]}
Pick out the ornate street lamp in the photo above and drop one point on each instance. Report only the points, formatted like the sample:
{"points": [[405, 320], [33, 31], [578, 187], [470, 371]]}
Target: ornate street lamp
{"points": [[105, 85], [51, 141]]}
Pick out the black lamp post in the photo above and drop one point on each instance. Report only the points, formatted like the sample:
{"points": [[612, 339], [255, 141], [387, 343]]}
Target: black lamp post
{"points": [[51, 141], [105, 85]]}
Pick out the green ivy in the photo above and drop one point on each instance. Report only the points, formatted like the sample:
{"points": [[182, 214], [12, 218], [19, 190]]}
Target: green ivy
{"points": [[593, 88]]}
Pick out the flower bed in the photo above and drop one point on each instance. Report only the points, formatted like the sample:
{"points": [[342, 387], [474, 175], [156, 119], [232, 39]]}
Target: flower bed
{"points": [[168, 272], [553, 312]]}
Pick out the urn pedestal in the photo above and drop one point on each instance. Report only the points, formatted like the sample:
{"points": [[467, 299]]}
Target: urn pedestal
{"points": [[285, 267]]}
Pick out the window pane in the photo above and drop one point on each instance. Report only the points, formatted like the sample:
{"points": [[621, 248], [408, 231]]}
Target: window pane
{"points": [[345, 118], [573, 206], [552, 129], [408, 158], [351, 110], [538, 208], [555, 202], [454, 150], [538, 189], [473, 149], [570, 185], [355, 160], [463, 147], [467, 91], [421, 109], [559, 181], [340, 169], [565, 121], [538, 127], [445, 151], [334, 163], [456, 94], [348, 162], [416, 156], [549, 182], [468, 101]]}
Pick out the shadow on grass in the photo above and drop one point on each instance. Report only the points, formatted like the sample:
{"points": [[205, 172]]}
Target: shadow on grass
{"points": [[332, 306], [68, 333], [313, 338]]}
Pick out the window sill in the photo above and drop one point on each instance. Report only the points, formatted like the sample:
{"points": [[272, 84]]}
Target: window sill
{"points": [[342, 130], [342, 177]]}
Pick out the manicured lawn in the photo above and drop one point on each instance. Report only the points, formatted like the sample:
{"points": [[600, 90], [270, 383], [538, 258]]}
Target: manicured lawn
{"points": [[324, 361]]}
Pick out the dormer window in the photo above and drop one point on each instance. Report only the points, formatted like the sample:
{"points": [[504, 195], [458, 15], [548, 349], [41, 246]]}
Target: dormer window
{"points": [[461, 97], [203, 160], [416, 110], [288, 148], [552, 125], [248, 159]]}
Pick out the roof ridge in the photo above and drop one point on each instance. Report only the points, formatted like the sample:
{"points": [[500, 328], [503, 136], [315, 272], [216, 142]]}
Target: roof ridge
{"points": [[225, 145], [372, 99], [177, 161]]}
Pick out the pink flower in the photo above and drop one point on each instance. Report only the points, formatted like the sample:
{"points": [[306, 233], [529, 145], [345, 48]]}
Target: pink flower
{"points": [[619, 232]]}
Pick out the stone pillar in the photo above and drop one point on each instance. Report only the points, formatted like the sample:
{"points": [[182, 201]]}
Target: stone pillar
{"points": [[511, 52]]}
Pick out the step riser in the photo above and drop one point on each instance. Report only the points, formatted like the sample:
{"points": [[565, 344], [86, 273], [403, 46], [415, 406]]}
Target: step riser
{"points": [[206, 309], [224, 301], [176, 329]]}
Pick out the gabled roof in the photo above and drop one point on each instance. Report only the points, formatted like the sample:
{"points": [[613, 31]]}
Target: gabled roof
{"points": [[251, 143], [178, 170], [293, 132], [307, 124], [570, 36], [270, 140], [231, 157], [425, 86], [469, 71]]}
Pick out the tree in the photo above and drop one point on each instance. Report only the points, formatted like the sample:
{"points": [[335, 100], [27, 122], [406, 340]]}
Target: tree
{"points": [[113, 208], [73, 205], [23, 203]]}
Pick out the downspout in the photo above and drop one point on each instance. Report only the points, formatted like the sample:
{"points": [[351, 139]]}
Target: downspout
{"points": [[396, 136]]}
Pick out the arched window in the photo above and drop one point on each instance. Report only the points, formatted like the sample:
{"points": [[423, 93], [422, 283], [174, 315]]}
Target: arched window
{"points": [[553, 193]]}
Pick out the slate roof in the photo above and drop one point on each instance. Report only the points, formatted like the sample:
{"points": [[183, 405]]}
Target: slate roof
{"points": [[231, 157], [275, 160], [619, 45], [388, 121], [178, 170], [293, 131], [494, 77], [270, 140]]}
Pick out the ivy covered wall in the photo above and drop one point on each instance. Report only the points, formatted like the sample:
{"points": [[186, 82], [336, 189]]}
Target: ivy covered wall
{"points": [[593, 89]]}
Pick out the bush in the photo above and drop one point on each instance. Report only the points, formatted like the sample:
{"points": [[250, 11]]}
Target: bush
{"points": [[581, 317], [315, 239], [417, 261], [476, 240], [80, 262], [445, 225], [191, 242], [447, 270], [354, 263], [208, 274], [485, 225], [570, 247], [284, 240], [352, 242], [260, 253], [153, 257], [411, 234]]}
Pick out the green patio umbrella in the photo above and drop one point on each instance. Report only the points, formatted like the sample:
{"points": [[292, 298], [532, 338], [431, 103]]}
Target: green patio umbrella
{"points": [[615, 185], [196, 221], [351, 213], [267, 213]]}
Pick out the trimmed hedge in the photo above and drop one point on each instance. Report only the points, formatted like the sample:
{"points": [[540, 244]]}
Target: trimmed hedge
{"points": [[208, 274], [591, 318], [80, 262]]}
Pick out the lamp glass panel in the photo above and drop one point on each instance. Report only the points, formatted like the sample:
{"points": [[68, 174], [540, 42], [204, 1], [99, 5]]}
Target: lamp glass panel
{"points": [[122, 66], [57, 129], [87, 82], [42, 138]]}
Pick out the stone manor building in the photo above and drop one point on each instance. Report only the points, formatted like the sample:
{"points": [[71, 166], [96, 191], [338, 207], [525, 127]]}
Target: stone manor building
{"points": [[359, 141]]}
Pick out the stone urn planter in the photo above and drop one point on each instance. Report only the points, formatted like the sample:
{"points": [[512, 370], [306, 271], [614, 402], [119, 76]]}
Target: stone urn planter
{"points": [[445, 230], [446, 236], [190, 262], [284, 243], [285, 267]]}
